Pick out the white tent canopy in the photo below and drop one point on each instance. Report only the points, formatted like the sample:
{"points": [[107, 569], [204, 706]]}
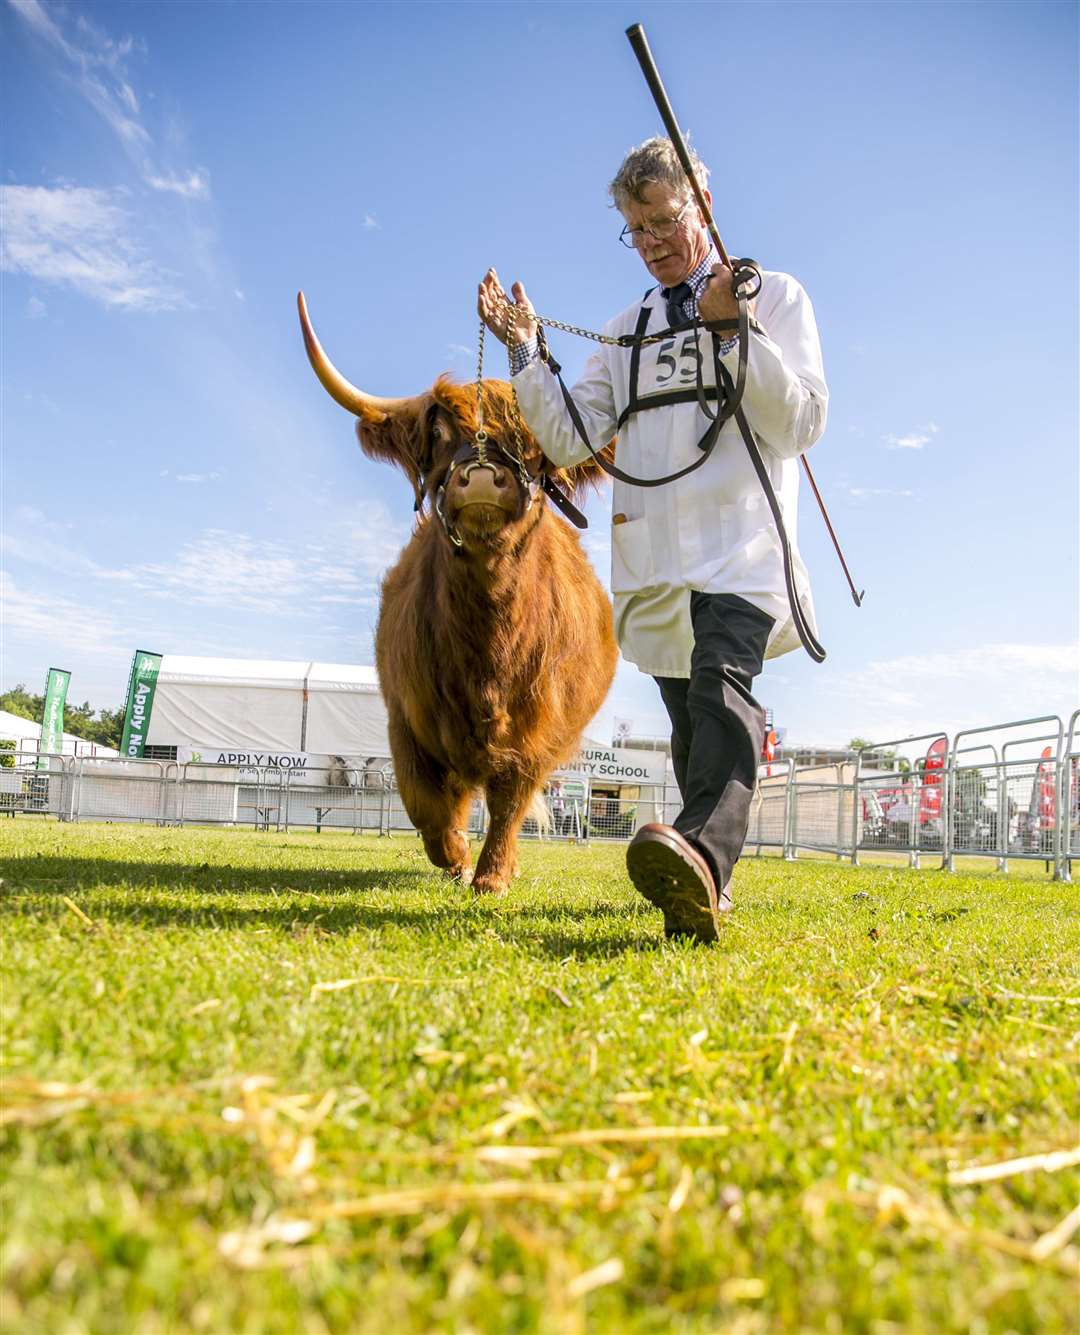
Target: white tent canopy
{"points": [[23, 731], [249, 704]]}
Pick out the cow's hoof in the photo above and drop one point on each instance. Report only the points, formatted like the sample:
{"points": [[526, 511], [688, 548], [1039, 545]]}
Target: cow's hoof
{"points": [[448, 850], [489, 885], [462, 875]]}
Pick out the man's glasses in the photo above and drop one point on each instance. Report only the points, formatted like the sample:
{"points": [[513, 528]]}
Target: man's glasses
{"points": [[660, 230]]}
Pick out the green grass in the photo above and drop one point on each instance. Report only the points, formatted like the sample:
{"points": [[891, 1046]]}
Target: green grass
{"points": [[197, 1138]]}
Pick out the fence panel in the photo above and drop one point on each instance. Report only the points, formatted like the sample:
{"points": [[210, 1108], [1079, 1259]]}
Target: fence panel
{"points": [[261, 798], [110, 789], [770, 810], [1069, 800], [208, 795], [821, 810], [322, 799], [611, 817], [1005, 806], [566, 814], [40, 785], [336, 798], [901, 811], [977, 783]]}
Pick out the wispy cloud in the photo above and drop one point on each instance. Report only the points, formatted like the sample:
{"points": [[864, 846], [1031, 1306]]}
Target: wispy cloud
{"points": [[972, 687], [863, 493], [222, 568], [370, 222], [197, 477], [86, 630], [34, 540], [227, 569], [36, 309], [84, 239], [195, 185], [279, 578], [97, 65], [914, 440]]}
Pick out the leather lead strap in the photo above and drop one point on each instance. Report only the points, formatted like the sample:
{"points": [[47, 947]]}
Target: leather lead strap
{"points": [[563, 502], [810, 642]]}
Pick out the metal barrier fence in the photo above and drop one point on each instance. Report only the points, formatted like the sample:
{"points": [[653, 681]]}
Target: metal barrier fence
{"points": [[1069, 795], [901, 813], [1007, 791], [41, 784]]}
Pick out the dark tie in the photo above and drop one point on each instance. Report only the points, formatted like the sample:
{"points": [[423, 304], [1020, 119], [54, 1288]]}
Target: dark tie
{"points": [[675, 297]]}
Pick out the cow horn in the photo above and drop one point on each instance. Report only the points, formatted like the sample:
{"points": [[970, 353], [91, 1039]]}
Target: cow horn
{"points": [[369, 407]]}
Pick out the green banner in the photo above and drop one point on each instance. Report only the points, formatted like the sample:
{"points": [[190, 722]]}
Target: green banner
{"points": [[52, 722], [140, 701]]}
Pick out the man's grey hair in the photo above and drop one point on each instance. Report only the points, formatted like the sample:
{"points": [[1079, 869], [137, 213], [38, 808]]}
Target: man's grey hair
{"points": [[654, 162]]}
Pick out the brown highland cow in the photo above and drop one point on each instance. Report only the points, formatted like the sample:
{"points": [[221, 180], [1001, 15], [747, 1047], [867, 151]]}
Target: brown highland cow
{"points": [[494, 645]]}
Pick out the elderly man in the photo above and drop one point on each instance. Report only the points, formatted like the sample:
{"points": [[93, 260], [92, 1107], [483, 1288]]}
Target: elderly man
{"points": [[696, 565]]}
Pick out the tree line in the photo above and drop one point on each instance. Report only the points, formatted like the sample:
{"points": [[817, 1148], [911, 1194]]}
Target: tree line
{"points": [[105, 726]]}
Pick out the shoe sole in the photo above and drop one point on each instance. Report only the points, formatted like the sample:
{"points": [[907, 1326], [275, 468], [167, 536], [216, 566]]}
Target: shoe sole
{"points": [[666, 879]]}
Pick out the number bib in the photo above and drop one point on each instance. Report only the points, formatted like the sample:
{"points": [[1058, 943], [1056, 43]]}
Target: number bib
{"points": [[672, 364], [667, 372]]}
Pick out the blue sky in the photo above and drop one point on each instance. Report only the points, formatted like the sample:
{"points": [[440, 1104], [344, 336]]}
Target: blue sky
{"points": [[175, 479]]}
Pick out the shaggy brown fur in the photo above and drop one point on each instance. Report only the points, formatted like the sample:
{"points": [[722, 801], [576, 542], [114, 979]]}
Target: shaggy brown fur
{"points": [[494, 655]]}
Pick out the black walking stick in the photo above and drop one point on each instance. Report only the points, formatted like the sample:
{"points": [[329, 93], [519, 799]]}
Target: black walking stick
{"points": [[640, 44]]}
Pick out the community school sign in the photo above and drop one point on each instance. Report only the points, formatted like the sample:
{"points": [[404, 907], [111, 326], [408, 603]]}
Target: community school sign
{"points": [[618, 764]]}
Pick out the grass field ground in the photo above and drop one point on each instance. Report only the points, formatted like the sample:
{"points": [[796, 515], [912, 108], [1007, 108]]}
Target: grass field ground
{"points": [[278, 1083]]}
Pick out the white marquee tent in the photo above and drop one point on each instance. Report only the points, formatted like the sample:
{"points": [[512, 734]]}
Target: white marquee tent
{"points": [[242, 704]]}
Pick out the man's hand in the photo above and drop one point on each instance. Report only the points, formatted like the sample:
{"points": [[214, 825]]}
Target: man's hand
{"points": [[717, 300], [490, 308]]}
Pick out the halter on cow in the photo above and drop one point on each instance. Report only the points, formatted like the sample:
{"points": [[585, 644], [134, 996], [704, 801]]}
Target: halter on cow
{"points": [[475, 455]]}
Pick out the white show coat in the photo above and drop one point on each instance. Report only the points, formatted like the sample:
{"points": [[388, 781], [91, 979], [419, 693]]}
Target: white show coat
{"points": [[712, 530]]}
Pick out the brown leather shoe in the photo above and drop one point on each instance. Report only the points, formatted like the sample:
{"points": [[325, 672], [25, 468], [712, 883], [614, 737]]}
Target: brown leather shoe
{"points": [[673, 875]]}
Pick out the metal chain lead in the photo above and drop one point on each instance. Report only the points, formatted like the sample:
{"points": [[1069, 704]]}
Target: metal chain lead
{"points": [[481, 434], [509, 308], [549, 323], [481, 437]]}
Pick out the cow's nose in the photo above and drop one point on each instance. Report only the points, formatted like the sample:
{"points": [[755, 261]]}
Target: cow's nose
{"points": [[466, 475], [486, 482]]}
